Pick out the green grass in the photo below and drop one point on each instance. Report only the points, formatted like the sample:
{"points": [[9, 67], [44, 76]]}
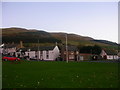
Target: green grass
{"points": [[34, 74]]}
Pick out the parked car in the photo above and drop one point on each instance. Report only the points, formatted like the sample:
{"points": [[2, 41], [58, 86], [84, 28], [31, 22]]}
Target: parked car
{"points": [[10, 58]]}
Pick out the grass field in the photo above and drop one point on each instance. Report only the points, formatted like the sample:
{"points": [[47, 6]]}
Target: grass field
{"points": [[34, 74]]}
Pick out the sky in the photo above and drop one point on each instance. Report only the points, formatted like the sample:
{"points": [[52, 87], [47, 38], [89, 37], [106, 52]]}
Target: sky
{"points": [[98, 20]]}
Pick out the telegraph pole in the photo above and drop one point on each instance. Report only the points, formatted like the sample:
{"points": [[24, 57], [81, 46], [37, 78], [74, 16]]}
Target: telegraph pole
{"points": [[38, 51], [66, 50]]}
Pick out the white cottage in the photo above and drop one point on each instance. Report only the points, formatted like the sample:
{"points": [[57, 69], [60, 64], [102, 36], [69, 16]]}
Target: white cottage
{"points": [[9, 49], [31, 54], [42, 52], [48, 53], [109, 54]]}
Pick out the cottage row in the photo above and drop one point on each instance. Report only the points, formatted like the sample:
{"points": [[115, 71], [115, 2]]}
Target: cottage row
{"points": [[54, 53]]}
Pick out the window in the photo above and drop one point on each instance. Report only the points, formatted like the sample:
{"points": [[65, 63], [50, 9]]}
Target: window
{"points": [[47, 54], [41, 55], [71, 56]]}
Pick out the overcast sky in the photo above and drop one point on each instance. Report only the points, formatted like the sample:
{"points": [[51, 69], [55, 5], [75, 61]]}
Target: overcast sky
{"points": [[98, 20]]}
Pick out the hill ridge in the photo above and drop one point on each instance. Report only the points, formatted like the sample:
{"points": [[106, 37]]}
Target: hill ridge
{"points": [[32, 36]]}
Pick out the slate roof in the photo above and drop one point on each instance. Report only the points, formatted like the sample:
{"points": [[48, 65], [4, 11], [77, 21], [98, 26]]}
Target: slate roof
{"points": [[41, 48], [10, 45], [70, 48], [111, 52]]}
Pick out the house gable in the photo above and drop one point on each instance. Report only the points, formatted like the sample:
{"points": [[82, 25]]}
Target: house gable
{"points": [[56, 52], [103, 53], [109, 54]]}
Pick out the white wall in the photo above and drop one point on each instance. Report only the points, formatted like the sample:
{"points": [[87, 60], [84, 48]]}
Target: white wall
{"points": [[10, 50], [1, 50], [26, 53], [52, 54], [44, 55], [115, 57], [56, 52], [110, 57], [31, 54], [81, 58]]}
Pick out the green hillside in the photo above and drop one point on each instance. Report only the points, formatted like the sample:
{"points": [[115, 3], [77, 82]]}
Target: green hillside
{"points": [[31, 37], [74, 39], [27, 36]]}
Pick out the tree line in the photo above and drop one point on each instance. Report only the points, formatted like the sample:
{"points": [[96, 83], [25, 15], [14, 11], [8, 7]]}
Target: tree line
{"points": [[90, 49]]}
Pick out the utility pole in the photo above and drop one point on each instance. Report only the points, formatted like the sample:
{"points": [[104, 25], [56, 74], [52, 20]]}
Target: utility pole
{"points": [[66, 50], [38, 51], [56, 44]]}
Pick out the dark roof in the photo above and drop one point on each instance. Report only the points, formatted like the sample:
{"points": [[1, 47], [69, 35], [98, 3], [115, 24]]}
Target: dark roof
{"points": [[111, 52], [70, 48], [41, 48], [22, 49], [10, 45]]}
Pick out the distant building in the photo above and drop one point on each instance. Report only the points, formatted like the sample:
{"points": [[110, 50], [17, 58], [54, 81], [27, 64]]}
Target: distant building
{"points": [[73, 53], [85, 56], [11, 48], [119, 55], [40, 53], [1, 49], [109, 54]]}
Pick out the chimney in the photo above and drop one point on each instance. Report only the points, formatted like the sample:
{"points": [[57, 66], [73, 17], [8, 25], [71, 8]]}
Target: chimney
{"points": [[21, 44]]}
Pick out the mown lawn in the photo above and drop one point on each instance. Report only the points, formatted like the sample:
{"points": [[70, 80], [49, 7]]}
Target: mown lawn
{"points": [[34, 74]]}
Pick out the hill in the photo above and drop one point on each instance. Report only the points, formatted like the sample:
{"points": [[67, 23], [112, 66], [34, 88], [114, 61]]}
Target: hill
{"points": [[71, 37], [31, 36], [27, 36], [106, 42], [82, 40]]}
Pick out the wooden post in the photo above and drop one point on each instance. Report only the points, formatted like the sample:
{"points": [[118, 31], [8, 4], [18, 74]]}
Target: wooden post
{"points": [[66, 50]]}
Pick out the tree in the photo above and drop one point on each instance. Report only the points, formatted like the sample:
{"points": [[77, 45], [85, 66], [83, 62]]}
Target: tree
{"points": [[96, 49], [90, 49]]}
